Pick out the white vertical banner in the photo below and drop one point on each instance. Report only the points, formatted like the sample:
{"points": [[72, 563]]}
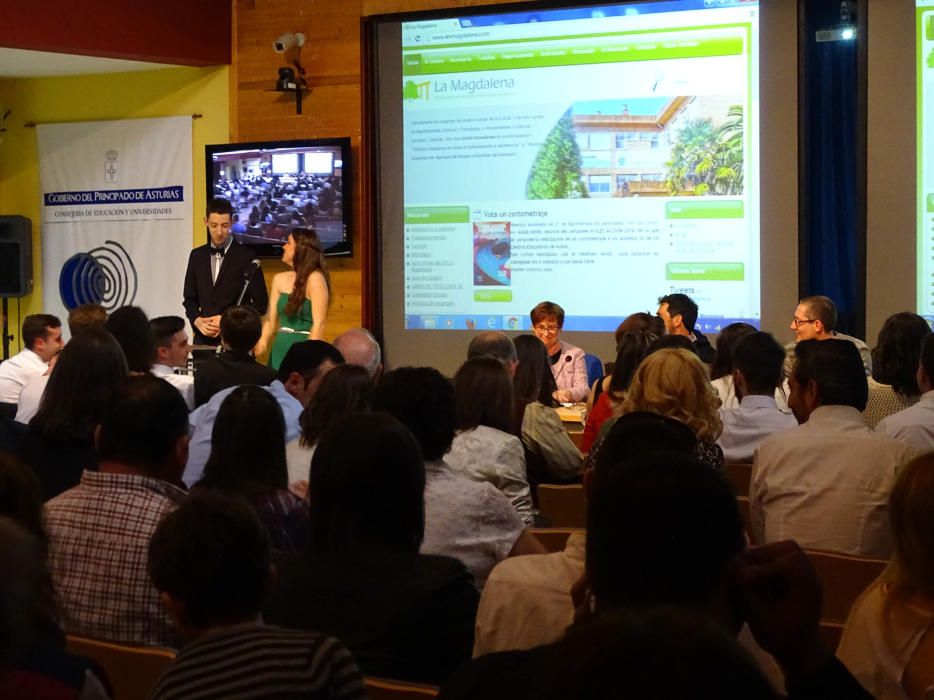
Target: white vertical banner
{"points": [[116, 213]]}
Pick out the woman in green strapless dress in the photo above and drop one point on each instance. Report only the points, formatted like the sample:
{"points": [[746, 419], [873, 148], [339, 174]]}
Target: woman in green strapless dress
{"points": [[301, 297]]}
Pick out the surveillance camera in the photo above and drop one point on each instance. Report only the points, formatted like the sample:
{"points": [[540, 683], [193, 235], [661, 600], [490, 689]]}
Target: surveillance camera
{"points": [[288, 41]]}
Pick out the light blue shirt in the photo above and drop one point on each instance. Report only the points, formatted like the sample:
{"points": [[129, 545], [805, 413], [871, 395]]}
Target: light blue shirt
{"points": [[753, 420], [201, 425]]}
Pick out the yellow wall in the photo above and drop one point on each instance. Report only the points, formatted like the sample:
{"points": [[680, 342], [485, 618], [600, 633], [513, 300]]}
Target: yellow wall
{"points": [[160, 93]]}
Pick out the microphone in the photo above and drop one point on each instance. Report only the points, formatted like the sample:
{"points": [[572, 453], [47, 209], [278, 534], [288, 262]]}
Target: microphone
{"points": [[567, 358], [255, 265]]}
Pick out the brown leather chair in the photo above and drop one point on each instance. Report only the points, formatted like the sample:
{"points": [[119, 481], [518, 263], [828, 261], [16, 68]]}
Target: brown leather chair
{"points": [[132, 671]]}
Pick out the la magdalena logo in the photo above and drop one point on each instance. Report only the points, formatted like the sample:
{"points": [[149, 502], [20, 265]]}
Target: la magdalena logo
{"points": [[416, 91]]}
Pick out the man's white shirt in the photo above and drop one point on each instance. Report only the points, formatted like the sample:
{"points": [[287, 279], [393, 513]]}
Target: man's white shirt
{"points": [[30, 398], [913, 425], [753, 420], [185, 383], [17, 372]]}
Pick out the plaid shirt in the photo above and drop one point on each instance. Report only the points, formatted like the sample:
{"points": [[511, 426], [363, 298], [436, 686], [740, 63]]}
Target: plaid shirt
{"points": [[99, 533]]}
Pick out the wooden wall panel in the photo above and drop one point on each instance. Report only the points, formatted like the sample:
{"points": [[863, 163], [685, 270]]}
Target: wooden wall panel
{"points": [[332, 61]]}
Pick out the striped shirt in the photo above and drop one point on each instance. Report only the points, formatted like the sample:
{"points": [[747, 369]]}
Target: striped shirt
{"points": [[261, 661]]}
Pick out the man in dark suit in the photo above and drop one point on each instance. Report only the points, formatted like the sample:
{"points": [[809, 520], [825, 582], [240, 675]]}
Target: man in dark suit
{"points": [[215, 276], [234, 365]]}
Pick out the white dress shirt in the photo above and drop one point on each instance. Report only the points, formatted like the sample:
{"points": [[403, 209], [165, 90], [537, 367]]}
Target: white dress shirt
{"points": [[17, 372], [914, 425], [185, 383], [30, 398], [745, 426], [727, 393], [826, 484]]}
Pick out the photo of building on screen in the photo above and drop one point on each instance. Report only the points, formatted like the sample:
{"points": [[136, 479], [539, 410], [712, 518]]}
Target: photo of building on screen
{"points": [[657, 146]]}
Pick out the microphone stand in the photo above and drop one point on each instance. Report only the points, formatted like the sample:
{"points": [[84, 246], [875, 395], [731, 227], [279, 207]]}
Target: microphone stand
{"points": [[246, 283]]}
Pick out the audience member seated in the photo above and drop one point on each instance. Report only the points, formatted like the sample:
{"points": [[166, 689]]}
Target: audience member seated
{"points": [[466, 519], [630, 351], [485, 447], [825, 483], [130, 327], [757, 372], [550, 454], [721, 369], [497, 345], [299, 375], [59, 443], [527, 600], [915, 424], [893, 385], [361, 579], [210, 561], [887, 643], [816, 319], [679, 314], [172, 348], [42, 337], [359, 347], [640, 321], [234, 364], [673, 342], [80, 319], [33, 660], [344, 391], [248, 460], [567, 361], [100, 529]]}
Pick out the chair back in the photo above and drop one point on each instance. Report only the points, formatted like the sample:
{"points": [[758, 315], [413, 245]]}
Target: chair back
{"points": [[739, 474], [554, 539], [132, 671], [563, 505], [594, 368], [843, 577], [387, 689]]}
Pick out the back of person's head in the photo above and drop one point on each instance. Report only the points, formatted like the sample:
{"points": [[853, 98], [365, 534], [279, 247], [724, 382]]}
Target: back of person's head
{"points": [[534, 380], [674, 383], [366, 487], [640, 433], [36, 327], [726, 341], [547, 311], [483, 395], [898, 350], [684, 305], [423, 401], [821, 308], [81, 387], [164, 329], [662, 529], [21, 497], [640, 321], [911, 521], [664, 653], [130, 327], [672, 342], [247, 445], [632, 347], [143, 425], [359, 347], [306, 358], [212, 556], [344, 391], [836, 368], [219, 205], [86, 316], [493, 344], [241, 328], [761, 359], [926, 361]]}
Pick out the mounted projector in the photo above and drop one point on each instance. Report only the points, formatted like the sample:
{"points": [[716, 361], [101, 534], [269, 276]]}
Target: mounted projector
{"points": [[847, 33]]}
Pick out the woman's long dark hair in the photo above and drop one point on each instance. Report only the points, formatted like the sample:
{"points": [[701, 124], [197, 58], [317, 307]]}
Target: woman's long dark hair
{"points": [[483, 395], [247, 445], [726, 341], [81, 387], [632, 348], [534, 380], [343, 392], [898, 351], [306, 259]]}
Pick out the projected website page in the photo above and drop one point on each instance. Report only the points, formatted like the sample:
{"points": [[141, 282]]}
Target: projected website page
{"points": [[597, 158], [925, 164]]}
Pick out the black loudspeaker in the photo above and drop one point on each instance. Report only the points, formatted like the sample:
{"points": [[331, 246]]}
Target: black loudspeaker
{"points": [[15, 256]]}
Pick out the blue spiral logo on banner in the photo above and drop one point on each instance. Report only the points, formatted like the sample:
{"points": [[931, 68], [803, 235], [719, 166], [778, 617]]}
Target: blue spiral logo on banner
{"points": [[105, 275]]}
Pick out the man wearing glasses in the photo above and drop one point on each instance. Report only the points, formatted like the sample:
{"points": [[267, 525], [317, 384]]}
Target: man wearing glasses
{"points": [[815, 319]]}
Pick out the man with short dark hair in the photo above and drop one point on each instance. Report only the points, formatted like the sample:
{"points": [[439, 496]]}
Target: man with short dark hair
{"points": [[815, 318], [211, 562], [130, 326], [215, 275], [299, 376], [235, 365], [497, 345], [757, 371], [915, 424], [42, 338], [100, 529], [826, 482], [679, 314], [172, 348]]}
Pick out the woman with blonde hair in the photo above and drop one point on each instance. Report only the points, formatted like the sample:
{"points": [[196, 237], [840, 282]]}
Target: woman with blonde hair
{"points": [[299, 297], [886, 643]]}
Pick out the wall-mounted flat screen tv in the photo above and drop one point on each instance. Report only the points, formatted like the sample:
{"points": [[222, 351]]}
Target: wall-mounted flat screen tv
{"points": [[276, 186]]}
